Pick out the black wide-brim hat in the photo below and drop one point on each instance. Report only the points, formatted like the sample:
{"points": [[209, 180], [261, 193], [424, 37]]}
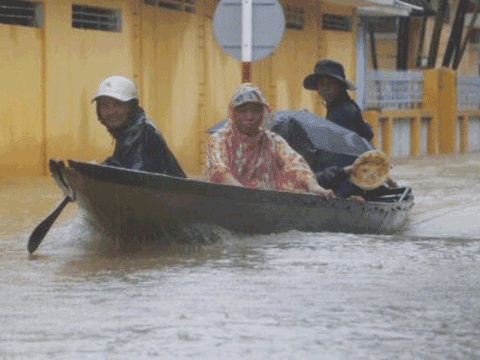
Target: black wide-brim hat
{"points": [[328, 68]]}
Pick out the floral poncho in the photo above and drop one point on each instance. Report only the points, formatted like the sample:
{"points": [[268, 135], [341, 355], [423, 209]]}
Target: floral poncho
{"points": [[264, 161]]}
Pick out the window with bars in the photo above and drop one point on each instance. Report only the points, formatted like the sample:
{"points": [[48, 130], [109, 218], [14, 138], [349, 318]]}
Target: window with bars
{"points": [[96, 18], [294, 17], [384, 25], [177, 5], [336, 22], [24, 13]]}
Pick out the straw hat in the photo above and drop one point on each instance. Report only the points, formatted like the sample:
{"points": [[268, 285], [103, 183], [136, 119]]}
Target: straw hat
{"points": [[370, 170]]}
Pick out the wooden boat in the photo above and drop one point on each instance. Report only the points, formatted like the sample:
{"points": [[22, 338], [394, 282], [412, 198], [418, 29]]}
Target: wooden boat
{"points": [[130, 204]]}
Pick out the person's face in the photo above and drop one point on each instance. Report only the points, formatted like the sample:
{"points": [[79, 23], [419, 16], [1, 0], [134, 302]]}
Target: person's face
{"points": [[114, 112], [328, 88], [248, 118]]}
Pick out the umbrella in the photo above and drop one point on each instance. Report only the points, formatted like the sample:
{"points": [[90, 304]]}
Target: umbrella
{"points": [[321, 142], [216, 127]]}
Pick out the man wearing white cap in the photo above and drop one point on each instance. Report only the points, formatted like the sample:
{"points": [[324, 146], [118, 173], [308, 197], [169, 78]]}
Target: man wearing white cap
{"points": [[138, 144]]}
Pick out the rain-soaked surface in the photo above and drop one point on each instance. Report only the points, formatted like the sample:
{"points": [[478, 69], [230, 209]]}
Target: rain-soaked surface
{"points": [[414, 295]]}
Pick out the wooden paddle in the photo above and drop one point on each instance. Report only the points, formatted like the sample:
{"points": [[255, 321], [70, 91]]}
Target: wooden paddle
{"points": [[41, 230]]}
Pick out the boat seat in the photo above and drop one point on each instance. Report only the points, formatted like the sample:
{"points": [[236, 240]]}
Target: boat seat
{"points": [[390, 195]]}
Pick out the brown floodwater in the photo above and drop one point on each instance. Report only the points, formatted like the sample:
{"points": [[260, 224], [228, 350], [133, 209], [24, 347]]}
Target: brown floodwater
{"points": [[413, 295]]}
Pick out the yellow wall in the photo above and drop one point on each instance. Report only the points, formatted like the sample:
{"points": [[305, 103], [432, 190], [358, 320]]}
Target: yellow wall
{"points": [[220, 76], [440, 95], [21, 91], [280, 76], [77, 61], [471, 56], [184, 79], [294, 59], [386, 48], [170, 80], [340, 45]]}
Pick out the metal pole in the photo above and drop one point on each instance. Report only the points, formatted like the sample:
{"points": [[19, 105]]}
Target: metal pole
{"points": [[373, 50], [247, 24], [469, 34], [437, 30], [402, 45], [456, 33], [418, 62]]}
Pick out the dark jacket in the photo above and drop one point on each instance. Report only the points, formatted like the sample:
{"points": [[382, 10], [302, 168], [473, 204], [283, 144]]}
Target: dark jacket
{"points": [[345, 112], [328, 176], [334, 178], [140, 146]]}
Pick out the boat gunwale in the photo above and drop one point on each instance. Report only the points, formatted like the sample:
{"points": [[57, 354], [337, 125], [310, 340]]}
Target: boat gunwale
{"points": [[165, 183]]}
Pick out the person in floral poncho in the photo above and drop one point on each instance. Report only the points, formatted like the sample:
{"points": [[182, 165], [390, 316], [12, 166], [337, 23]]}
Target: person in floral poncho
{"points": [[244, 153]]}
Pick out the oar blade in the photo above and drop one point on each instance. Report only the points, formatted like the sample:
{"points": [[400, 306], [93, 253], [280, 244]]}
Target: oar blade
{"points": [[41, 230]]}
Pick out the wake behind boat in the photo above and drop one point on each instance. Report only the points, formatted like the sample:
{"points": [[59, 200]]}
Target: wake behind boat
{"points": [[130, 204]]}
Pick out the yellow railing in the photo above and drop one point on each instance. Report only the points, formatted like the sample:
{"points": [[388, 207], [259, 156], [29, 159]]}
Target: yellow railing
{"points": [[438, 128], [422, 123], [465, 120]]}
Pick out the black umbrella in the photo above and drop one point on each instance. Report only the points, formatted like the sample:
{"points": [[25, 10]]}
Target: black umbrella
{"points": [[216, 127], [321, 142]]}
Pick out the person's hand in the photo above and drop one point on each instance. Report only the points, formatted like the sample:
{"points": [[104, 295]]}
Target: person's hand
{"points": [[317, 189], [326, 194], [357, 198], [348, 169], [313, 187]]}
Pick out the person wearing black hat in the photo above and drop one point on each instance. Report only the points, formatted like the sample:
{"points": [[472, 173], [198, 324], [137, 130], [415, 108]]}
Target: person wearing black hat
{"points": [[328, 79]]}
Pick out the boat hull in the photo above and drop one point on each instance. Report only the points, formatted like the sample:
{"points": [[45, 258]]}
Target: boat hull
{"points": [[128, 203]]}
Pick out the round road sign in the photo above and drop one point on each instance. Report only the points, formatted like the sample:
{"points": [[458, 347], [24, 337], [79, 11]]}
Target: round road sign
{"points": [[248, 30]]}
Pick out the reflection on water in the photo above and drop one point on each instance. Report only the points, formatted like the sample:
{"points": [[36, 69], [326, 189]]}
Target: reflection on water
{"points": [[291, 296]]}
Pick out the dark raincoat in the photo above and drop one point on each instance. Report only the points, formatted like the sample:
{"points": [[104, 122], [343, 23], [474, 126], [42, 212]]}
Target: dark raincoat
{"points": [[334, 178], [320, 144], [345, 112], [140, 146]]}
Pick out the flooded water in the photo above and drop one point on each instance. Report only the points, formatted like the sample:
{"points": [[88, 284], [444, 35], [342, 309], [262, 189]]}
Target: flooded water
{"points": [[414, 295]]}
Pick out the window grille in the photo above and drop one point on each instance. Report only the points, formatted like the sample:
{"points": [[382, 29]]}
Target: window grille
{"points": [[336, 22], [390, 89], [24, 13], [96, 18], [295, 17], [468, 92], [177, 5], [382, 24]]}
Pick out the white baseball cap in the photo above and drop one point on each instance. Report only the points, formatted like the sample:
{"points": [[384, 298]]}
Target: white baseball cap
{"points": [[117, 87]]}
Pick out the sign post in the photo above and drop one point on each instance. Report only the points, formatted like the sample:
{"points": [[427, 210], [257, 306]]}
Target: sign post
{"points": [[248, 30], [247, 24]]}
